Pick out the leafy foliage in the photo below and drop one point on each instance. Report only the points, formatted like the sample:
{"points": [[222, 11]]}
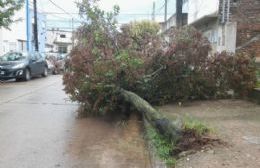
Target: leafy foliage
{"points": [[236, 72], [183, 73], [258, 75], [100, 63], [187, 72], [7, 10], [139, 59], [141, 37]]}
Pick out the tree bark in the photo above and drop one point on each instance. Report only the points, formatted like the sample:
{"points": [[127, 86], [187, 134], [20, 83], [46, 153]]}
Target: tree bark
{"points": [[165, 126]]}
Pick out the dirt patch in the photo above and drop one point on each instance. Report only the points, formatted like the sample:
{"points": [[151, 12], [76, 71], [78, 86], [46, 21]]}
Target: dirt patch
{"points": [[235, 122], [192, 143]]}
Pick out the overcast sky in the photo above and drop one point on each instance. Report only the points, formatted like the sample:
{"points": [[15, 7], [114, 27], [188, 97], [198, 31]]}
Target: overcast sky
{"points": [[129, 10], [126, 7]]}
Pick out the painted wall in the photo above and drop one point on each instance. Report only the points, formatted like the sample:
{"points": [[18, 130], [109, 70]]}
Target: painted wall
{"points": [[15, 38], [197, 9], [221, 37], [9, 38]]}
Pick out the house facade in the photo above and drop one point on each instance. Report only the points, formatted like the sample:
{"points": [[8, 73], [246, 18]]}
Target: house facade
{"points": [[230, 25], [15, 38], [59, 41], [214, 23]]}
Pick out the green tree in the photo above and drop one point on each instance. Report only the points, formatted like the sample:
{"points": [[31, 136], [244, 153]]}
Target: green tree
{"points": [[7, 10]]}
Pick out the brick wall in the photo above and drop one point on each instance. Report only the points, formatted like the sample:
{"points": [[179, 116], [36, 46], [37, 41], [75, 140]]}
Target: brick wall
{"points": [[247, 15]]}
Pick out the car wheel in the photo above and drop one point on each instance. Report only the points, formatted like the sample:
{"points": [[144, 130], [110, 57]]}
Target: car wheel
{"points": [[18, 79], [27, 75], [54, 72], [45, 72]]}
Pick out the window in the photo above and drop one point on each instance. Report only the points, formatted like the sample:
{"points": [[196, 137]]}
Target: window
{"points": [[21, 45], [12, 46], [13, 56], [63, 49], [214, 36], [62, 36]]}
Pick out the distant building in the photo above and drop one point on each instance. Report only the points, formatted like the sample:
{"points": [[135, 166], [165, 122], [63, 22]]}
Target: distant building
{"points": [[179, 17], [59, 41], [15, 38], [214, 23], [230, 25]]}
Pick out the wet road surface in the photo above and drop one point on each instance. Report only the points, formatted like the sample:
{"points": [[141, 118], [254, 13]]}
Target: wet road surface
{"points": [[39, 128]]}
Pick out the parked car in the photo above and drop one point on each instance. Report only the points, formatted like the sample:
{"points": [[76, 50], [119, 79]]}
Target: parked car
{"points": [[57, 63], [22, 66], [51, 66]]}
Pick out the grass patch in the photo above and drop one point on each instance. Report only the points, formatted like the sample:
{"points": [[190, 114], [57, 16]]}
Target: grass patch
{"points": [[163, 146], [193, 125], [167, 150], [258, 84], [258, 77]]}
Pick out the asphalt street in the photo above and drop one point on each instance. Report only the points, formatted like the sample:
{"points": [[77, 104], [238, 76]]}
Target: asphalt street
{"points": [[39, 128]]}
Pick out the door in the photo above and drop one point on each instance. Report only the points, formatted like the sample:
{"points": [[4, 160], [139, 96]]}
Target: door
{"points": [[33, 64], [40, 63], [37, 64]]}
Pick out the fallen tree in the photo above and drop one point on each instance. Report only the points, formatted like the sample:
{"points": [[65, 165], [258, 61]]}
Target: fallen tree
{"points": [[169, 128], [138, 66], [111, 71], [106, 66]]}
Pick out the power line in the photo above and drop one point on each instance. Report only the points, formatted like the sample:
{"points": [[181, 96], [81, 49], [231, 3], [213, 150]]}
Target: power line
{"points": [[139, 14], [58, 13], [57, 27], [53, 15], [50, 30], [62, 9], [59, 20], [57, 16], [42, 12], [162, 7]]}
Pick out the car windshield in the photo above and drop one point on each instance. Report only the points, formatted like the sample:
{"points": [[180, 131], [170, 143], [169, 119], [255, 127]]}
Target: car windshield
{"points": [[13, 56]]}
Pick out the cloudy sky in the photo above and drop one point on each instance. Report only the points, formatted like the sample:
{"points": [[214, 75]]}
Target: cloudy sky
{"points": [[129, 10]]}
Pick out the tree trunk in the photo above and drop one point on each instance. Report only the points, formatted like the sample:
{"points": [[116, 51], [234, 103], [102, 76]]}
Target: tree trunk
{"points": [[154, 117]]}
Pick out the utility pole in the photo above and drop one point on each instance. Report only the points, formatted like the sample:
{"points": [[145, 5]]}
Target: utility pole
{"points": [[153, 15], [165, 10], [179, 4], [72, 27], [35, 26], [28, 39]]}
